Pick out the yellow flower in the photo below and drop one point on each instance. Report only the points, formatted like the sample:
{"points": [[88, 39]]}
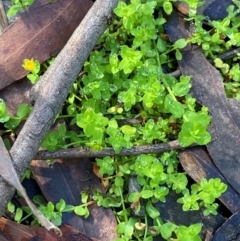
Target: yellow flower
{"points": [[28, 64]]}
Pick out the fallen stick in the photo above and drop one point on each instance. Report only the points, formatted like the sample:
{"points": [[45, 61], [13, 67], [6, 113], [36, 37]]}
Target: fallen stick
{"points": [[54, 88], [80, 152]]}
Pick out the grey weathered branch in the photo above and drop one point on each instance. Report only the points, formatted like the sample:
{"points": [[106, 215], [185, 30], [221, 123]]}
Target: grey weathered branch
{"points": [[55, 85], [86, 152], [3, 18]]}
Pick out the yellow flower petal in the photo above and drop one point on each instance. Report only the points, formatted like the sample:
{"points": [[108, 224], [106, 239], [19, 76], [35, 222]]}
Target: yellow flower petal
{"points": [[28, 64]]}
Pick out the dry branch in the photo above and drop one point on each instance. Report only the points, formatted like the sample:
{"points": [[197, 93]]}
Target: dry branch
{"points": [[3, 18], [81, 152], [55, 85]]}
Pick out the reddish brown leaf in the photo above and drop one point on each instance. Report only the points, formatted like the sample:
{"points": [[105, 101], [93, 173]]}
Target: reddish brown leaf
{"points": [[198, 165], [13, 231], [16, 94], [67, 179], [8, 172], [40, 32]]}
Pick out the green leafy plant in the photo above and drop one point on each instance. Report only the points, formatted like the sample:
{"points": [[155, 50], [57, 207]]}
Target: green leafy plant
{"points": [[18, 5], [51, 211], [183, 233], [203, 194], [125, 98], [156, 175], [4, 116], [11, 122]]}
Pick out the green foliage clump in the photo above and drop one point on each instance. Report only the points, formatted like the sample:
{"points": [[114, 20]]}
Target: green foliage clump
{"points": [[125, 78], [51, 212], [11, 122], [124, 97], [156, 177], [19, 5], [205, 192]]}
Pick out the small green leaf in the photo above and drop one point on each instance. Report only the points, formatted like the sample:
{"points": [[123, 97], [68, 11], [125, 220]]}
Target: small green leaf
{"points": [[50, 207], [33, 78], [128, 130], [167, 7], [4, 117], [79, 210], [119, 181], [166, 230], [13, 10], [161, 45], [173, 106], [23, 110], [18, 215], [134, 197], [12, 123], [152, 211], [60, 206], [178, 55], [180, 43], [11, 207], [38, 199], [84, 197], [57, 219], [181, 88], [28, 2], [146, 194], [69, 208]]}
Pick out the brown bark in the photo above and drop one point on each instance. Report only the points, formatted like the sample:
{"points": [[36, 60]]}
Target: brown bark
{"points": [[81, 152]]}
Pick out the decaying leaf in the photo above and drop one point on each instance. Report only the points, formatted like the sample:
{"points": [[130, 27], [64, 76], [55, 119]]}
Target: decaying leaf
{"points": [[230, 230], [13, 231], [8, 172], [198, 165], [40, 33], [66, 180]]}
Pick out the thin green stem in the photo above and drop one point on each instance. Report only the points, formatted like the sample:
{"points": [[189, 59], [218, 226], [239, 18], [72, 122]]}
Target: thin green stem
{"points": [[169, 89], [146, 228], [66, 116], [75, 143], [27, 216], [123, 204]]}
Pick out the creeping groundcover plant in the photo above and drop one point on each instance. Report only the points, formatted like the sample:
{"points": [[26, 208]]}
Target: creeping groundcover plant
{"points": [[124, 97]]}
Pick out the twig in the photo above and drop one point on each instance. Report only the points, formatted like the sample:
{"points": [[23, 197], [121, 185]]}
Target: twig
{"points": [[55, 86], [209, 235], [87, 152], [229, 54], [3, 18]]}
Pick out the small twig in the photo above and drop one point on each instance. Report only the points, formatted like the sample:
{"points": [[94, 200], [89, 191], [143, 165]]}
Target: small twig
{"points": [[209, 235], [229, 54], [87, 152], [3, 18]]}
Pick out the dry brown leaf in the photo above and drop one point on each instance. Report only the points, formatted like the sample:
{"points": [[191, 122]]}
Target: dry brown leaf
{"points": [[13, 231], [40, 32], [67, 179], [8, 172]]}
